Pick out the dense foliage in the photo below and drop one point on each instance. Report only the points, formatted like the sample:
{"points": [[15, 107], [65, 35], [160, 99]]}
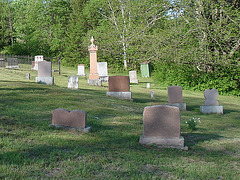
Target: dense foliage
{"points": [[190, 43]]}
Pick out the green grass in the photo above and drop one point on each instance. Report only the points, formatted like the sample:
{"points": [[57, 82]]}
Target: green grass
{"points": [[31, 149]]}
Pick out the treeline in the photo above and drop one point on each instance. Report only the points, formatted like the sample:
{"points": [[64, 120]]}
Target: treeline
{"points": [[190, 43]]}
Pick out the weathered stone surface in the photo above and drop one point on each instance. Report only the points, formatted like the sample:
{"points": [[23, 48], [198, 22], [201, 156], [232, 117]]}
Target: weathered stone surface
{"points": [[211, 109], [120, 95], [37, 59], [63, 117], [81, 70], [161, 121], [27, 75], [12, 63], [161, 126], [102, 71], [211, 97], [175, 94], [118, 84], [44, 69], [133, 76], [73, 82]]}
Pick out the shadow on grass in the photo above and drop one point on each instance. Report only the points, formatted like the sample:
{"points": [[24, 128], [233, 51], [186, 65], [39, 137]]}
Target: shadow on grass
{"points": [[191, 139]]}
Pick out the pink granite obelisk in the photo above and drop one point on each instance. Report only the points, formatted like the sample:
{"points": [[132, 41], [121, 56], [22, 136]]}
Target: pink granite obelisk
{"points": [[93, 76]]}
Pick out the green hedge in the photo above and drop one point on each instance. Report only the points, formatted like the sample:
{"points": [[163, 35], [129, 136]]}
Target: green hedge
{"points": [[226, 79]]}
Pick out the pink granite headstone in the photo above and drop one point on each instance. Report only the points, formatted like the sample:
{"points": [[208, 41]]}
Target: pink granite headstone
{"points": [[63, 117], [175, 94]]}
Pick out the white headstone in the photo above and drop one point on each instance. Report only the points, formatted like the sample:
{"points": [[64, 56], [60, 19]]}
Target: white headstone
{"points": [[133, 76], [37, 59], [102, 70], [148, 85], [73, 82], [81, 70]]}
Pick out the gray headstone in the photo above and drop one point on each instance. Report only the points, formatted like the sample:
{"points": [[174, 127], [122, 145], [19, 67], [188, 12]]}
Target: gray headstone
{"points": [[175, 94], [44, 69], [12, 63], [73, 82], [133, 76], [2, 62], [27, 75], [148, 85], [211, 97], [102, 70], [152, 93]]}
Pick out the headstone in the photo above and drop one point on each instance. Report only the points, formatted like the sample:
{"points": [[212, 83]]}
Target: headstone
{"points": [[81, 70], [161, 126], [102, 70], [72, 119], [119, 87], [73, 82], [37, 59], [2, 62], [93, 76], [133, 76], [45, 73], [211, 105], [27, 75], [12, 63], [175, 97], [148, 85], [146, 69], [152, 93]]}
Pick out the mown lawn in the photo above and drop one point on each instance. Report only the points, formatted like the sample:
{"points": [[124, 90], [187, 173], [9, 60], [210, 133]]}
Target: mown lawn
{"points": [[31, 149]]}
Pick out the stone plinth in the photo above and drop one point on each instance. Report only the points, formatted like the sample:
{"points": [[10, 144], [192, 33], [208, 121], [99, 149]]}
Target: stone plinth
{"points": [[120, 95], [73, 119], [161, 126], [133, 76], [211, 109]]}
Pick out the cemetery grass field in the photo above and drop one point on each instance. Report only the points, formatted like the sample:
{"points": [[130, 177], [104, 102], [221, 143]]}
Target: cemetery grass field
{"points": [[31, 149]]}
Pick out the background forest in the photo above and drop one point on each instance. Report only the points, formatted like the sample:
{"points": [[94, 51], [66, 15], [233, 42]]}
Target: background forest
{"points": [[193, 44]]}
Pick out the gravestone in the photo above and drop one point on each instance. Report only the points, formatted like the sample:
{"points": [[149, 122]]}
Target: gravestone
{"points": [[148, 85], [12, 63], [37, 59], [175, 97], [146, 69], [27, 75], [2, 62], [119, 87], [133, 76], [93, 76], [73, 82], [102, 70], [81, 70], [70, 119], [152, 93], [161, 126], [45, 73], [211, 105]]}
